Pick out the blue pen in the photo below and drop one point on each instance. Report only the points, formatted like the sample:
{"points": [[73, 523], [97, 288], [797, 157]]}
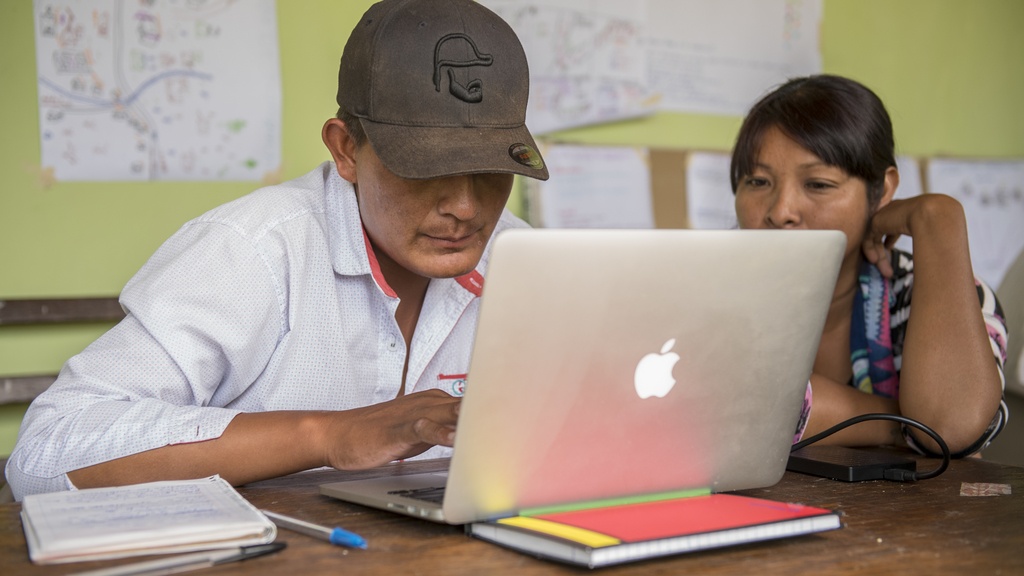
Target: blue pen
{"points": [[335, 536]]}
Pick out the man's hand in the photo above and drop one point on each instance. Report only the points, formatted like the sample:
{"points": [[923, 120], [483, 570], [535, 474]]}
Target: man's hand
{"points": [[401, 428]]}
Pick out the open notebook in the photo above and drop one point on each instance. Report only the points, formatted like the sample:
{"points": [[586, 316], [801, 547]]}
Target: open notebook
{"points": [[628, 364], [140, 519]]}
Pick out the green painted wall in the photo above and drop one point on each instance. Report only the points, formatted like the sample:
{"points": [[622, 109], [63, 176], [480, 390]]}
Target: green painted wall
{"points": [[950, 71]]}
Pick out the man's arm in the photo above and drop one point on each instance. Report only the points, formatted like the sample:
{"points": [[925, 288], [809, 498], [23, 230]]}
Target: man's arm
{"points": [[257, 446]]}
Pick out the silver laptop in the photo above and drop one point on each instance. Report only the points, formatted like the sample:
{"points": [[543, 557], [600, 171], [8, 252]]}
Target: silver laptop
{"points": [[616, 364]]}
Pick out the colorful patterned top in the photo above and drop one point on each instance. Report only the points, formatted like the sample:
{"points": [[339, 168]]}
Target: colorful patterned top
{"points": [[879, 325]]}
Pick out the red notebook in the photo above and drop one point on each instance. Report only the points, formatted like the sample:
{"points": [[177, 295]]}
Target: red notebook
{"points": [[614, 534]]}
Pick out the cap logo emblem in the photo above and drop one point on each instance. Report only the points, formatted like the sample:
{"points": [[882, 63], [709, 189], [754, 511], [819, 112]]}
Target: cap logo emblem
{"points": [[473, 92], [526, 155]]}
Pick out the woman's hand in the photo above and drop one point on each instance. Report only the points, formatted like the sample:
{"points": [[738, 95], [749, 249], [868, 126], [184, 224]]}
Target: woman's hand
{"points": [[914, 217]]}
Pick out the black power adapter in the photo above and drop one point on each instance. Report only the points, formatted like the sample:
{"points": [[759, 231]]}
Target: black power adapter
{"points": [[850, 464]]}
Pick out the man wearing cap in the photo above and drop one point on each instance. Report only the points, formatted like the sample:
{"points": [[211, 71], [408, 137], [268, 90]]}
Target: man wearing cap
{"points": [[326, 321]]}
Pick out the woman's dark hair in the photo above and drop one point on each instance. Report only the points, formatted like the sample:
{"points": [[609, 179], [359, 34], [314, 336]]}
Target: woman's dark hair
{"points": [[355, 128], [840, 120]]}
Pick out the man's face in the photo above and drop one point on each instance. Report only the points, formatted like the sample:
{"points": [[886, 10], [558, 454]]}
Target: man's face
{"points": [[432, 228]]}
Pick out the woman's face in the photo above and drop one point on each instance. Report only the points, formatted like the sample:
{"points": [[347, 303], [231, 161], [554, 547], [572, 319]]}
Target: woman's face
{"points": [[791, 188]]}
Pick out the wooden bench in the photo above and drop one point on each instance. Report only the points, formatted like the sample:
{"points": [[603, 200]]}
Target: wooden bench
{"points": [[34, 312], [25, 312]]}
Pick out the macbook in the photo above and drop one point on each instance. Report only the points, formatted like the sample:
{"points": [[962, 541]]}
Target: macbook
{"points": [[625, 364]]}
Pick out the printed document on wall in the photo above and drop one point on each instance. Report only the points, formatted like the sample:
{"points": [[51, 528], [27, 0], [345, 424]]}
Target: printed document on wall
{"points": [[720, 57], [710, 203], [593, 187], [992, 194], [170, 90]]}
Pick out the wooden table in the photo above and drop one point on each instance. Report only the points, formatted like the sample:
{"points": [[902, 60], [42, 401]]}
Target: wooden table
{"points": [[926, 527]]}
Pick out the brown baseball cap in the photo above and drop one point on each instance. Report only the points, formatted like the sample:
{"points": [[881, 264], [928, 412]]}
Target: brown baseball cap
{"points": [[440, 88]]}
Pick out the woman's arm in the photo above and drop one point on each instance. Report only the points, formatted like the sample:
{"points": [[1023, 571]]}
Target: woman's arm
{"points": [[834, 402], [948, 379]]}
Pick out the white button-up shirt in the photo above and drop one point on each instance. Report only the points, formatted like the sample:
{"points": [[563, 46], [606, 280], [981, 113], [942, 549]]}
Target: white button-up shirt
{"points": [[271, 302]]}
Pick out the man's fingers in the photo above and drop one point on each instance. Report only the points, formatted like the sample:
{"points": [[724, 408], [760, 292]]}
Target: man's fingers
{"points": [[430, 432], [437, 426], [444, 410]]}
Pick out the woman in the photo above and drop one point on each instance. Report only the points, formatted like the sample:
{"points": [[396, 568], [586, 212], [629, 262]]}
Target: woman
{"points": [[818, 153]]}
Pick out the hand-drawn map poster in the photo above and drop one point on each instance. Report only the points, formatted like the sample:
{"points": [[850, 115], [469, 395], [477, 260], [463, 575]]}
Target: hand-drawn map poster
{"points": [[587, 64], [158, 89], [594, 61]]}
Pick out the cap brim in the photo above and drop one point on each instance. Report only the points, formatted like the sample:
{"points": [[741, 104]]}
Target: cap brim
{"points": [[418, 152]]}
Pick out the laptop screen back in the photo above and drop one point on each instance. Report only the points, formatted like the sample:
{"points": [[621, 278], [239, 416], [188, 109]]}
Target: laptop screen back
{"points": [[724, 326]]}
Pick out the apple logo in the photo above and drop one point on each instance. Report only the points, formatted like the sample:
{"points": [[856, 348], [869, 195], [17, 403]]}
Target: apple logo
{"points": [[653, 376]]}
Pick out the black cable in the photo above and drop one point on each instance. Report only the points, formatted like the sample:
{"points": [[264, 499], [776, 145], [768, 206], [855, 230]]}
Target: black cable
{"points": [[898, 475]]}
